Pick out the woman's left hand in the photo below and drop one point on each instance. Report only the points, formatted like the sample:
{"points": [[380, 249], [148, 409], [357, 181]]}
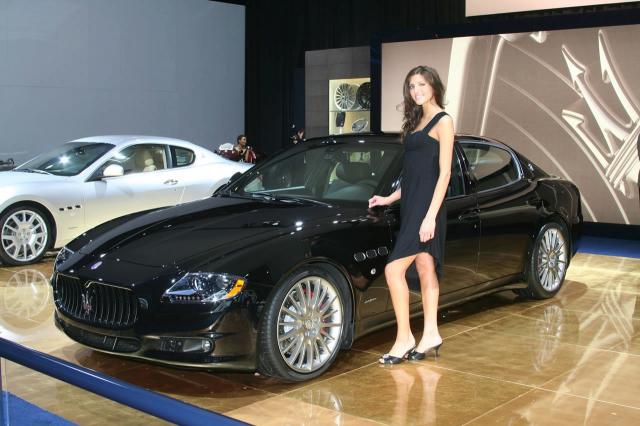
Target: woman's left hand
{"points": [[427, 229]]}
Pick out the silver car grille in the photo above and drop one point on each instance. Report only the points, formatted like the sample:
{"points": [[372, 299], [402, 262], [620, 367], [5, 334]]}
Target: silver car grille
{"points": [[97, 304]]}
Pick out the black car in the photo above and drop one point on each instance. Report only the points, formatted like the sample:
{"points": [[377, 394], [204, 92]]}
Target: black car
{"points": [[284, 266]]}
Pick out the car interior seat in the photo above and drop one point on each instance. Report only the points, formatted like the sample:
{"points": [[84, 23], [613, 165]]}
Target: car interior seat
{"points": [[354, 181], [144, 161]]}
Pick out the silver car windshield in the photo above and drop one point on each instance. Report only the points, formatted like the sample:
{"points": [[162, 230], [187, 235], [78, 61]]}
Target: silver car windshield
{"points": [[329, 173], [66, 160]]}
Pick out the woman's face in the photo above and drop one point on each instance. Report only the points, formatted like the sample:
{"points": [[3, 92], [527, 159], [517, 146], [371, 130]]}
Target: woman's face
{"points": [[420, 90], [242, 141]]}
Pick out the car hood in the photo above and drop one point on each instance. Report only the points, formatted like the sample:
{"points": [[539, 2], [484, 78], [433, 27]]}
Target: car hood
{"points": [[204, 229]]}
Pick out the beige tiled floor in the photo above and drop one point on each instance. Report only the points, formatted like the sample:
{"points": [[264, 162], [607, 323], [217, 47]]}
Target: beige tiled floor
{"points": [[572, 359]]}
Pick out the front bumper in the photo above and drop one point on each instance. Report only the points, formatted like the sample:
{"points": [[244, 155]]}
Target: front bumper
{"points": [[207, 349]]}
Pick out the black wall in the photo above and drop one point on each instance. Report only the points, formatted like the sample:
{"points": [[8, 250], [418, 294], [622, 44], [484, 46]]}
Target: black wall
{"points": [[279, 32]]}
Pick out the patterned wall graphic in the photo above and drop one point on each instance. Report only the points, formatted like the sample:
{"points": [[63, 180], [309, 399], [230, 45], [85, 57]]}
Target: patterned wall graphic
{"points": [[566, 99], [489, 7]]}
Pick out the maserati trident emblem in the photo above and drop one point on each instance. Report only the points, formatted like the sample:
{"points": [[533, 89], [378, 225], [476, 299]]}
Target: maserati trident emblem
{"points": [[611, 141], [87, 307]]}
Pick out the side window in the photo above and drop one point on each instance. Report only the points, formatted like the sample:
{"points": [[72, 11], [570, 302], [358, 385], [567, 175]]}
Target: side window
{"points": [[492, 167], [182, 156], [456, 183], [140, 159], [327, 173]]}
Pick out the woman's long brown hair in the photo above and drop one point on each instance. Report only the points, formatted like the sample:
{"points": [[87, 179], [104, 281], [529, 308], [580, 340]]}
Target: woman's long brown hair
{"points": [[413, 111]]}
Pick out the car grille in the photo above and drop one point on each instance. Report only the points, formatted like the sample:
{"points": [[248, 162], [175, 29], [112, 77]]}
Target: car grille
{"points": [[94, 303]]}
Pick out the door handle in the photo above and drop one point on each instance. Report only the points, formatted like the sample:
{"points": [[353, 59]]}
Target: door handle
{"points": [[170, 182], [469, 215]]}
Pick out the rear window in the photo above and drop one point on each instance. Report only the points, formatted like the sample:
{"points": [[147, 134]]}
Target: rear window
{"points": [[182, 156], [492, 167]]}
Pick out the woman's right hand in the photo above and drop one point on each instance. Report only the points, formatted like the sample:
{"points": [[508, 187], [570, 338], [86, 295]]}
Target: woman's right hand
{"points": [[378, 200]]}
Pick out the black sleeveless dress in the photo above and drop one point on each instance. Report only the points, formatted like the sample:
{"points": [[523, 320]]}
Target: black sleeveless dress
{"points": [[420, 171]]}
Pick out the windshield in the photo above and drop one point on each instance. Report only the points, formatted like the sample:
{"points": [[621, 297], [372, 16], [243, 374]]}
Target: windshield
{"points": [[328, 173], [68, 159]]}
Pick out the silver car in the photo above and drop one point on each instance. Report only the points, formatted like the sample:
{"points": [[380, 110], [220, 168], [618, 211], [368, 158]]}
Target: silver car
{"points": [[51, 199]]}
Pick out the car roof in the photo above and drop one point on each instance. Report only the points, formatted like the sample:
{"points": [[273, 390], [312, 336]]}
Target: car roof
{"points": [[118, 140], [394, 138]]}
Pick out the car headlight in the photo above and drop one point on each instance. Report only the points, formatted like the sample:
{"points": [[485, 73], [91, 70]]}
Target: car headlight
{"points": [[62, 256], [204, 287]]}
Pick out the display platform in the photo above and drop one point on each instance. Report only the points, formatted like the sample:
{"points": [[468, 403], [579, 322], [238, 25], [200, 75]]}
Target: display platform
{"points": [[571, 359]]}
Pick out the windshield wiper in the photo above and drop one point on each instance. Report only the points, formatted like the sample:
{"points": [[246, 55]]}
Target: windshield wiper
{"points": [[300, 200], [289, 199], [270, 197], [263, 196], [42, 172], [247, 195]]}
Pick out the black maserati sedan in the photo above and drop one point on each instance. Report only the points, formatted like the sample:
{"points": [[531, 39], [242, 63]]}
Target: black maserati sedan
{"points": [[284, 266]]}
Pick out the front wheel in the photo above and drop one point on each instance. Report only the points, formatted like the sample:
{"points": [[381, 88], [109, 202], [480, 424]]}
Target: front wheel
{"points": [[25, 234], [548, 264], [304, 324]]}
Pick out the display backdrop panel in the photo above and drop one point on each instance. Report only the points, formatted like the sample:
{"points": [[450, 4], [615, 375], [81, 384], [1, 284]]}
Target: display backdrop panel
{"points": [[490, 7], [566, 99], [77, 68]]}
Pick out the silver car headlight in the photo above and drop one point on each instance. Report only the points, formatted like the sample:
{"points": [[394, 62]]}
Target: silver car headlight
{"points": [[62, 256], [204, 287]]}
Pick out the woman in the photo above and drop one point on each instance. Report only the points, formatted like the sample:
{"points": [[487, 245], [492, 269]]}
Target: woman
{"points": [[427, 133], [244, 152]]}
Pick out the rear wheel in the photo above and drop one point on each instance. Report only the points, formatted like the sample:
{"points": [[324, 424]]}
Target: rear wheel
{"points": [[304, 324], [25, 235], [548, 264]]}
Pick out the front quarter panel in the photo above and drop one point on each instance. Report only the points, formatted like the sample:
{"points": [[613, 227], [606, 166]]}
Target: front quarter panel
{"points": [[62, 200], [356, 245]]}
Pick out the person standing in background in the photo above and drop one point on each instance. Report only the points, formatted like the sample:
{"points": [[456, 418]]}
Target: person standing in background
{"points": [[298, 137], [244, 151]]}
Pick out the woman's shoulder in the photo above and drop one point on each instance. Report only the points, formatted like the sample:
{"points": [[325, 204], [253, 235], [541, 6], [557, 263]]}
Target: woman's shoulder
{"points": [[444, 117]]}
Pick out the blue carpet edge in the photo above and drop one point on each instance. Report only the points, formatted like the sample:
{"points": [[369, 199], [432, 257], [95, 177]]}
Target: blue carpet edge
{"points": [[22, 412]]}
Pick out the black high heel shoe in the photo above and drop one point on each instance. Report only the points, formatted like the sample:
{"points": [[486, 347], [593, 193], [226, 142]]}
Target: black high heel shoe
{"points": [[417, 356], [387, 359]]}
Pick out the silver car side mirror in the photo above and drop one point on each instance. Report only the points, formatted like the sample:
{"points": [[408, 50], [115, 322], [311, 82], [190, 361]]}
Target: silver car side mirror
{"points": [[113, 170]]}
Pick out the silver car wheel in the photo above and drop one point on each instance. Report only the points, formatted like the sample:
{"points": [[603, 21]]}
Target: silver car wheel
{"points": [[310, 324], [552, 259], [24, 235]]}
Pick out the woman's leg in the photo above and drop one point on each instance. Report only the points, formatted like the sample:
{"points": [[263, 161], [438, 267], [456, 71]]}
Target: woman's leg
{"points": [[430, 288], [395, 274]]}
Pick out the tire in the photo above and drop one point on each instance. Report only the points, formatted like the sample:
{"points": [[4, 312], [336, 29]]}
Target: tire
{"points": [[548, 263], [293, 344], [25, 235]]}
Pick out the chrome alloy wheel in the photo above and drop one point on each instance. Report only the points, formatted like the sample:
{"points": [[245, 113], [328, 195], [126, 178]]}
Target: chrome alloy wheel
{"points": [[24, 235], [310, 324], [552, 259]]}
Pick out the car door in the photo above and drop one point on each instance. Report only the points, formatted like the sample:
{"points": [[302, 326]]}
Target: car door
{"points": [[460, 268], [369, 240], [506, 207], [147, 183]]}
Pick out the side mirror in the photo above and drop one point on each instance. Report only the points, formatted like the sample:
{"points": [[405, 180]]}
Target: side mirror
{"points": [[235, 176], [113, 170]]}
